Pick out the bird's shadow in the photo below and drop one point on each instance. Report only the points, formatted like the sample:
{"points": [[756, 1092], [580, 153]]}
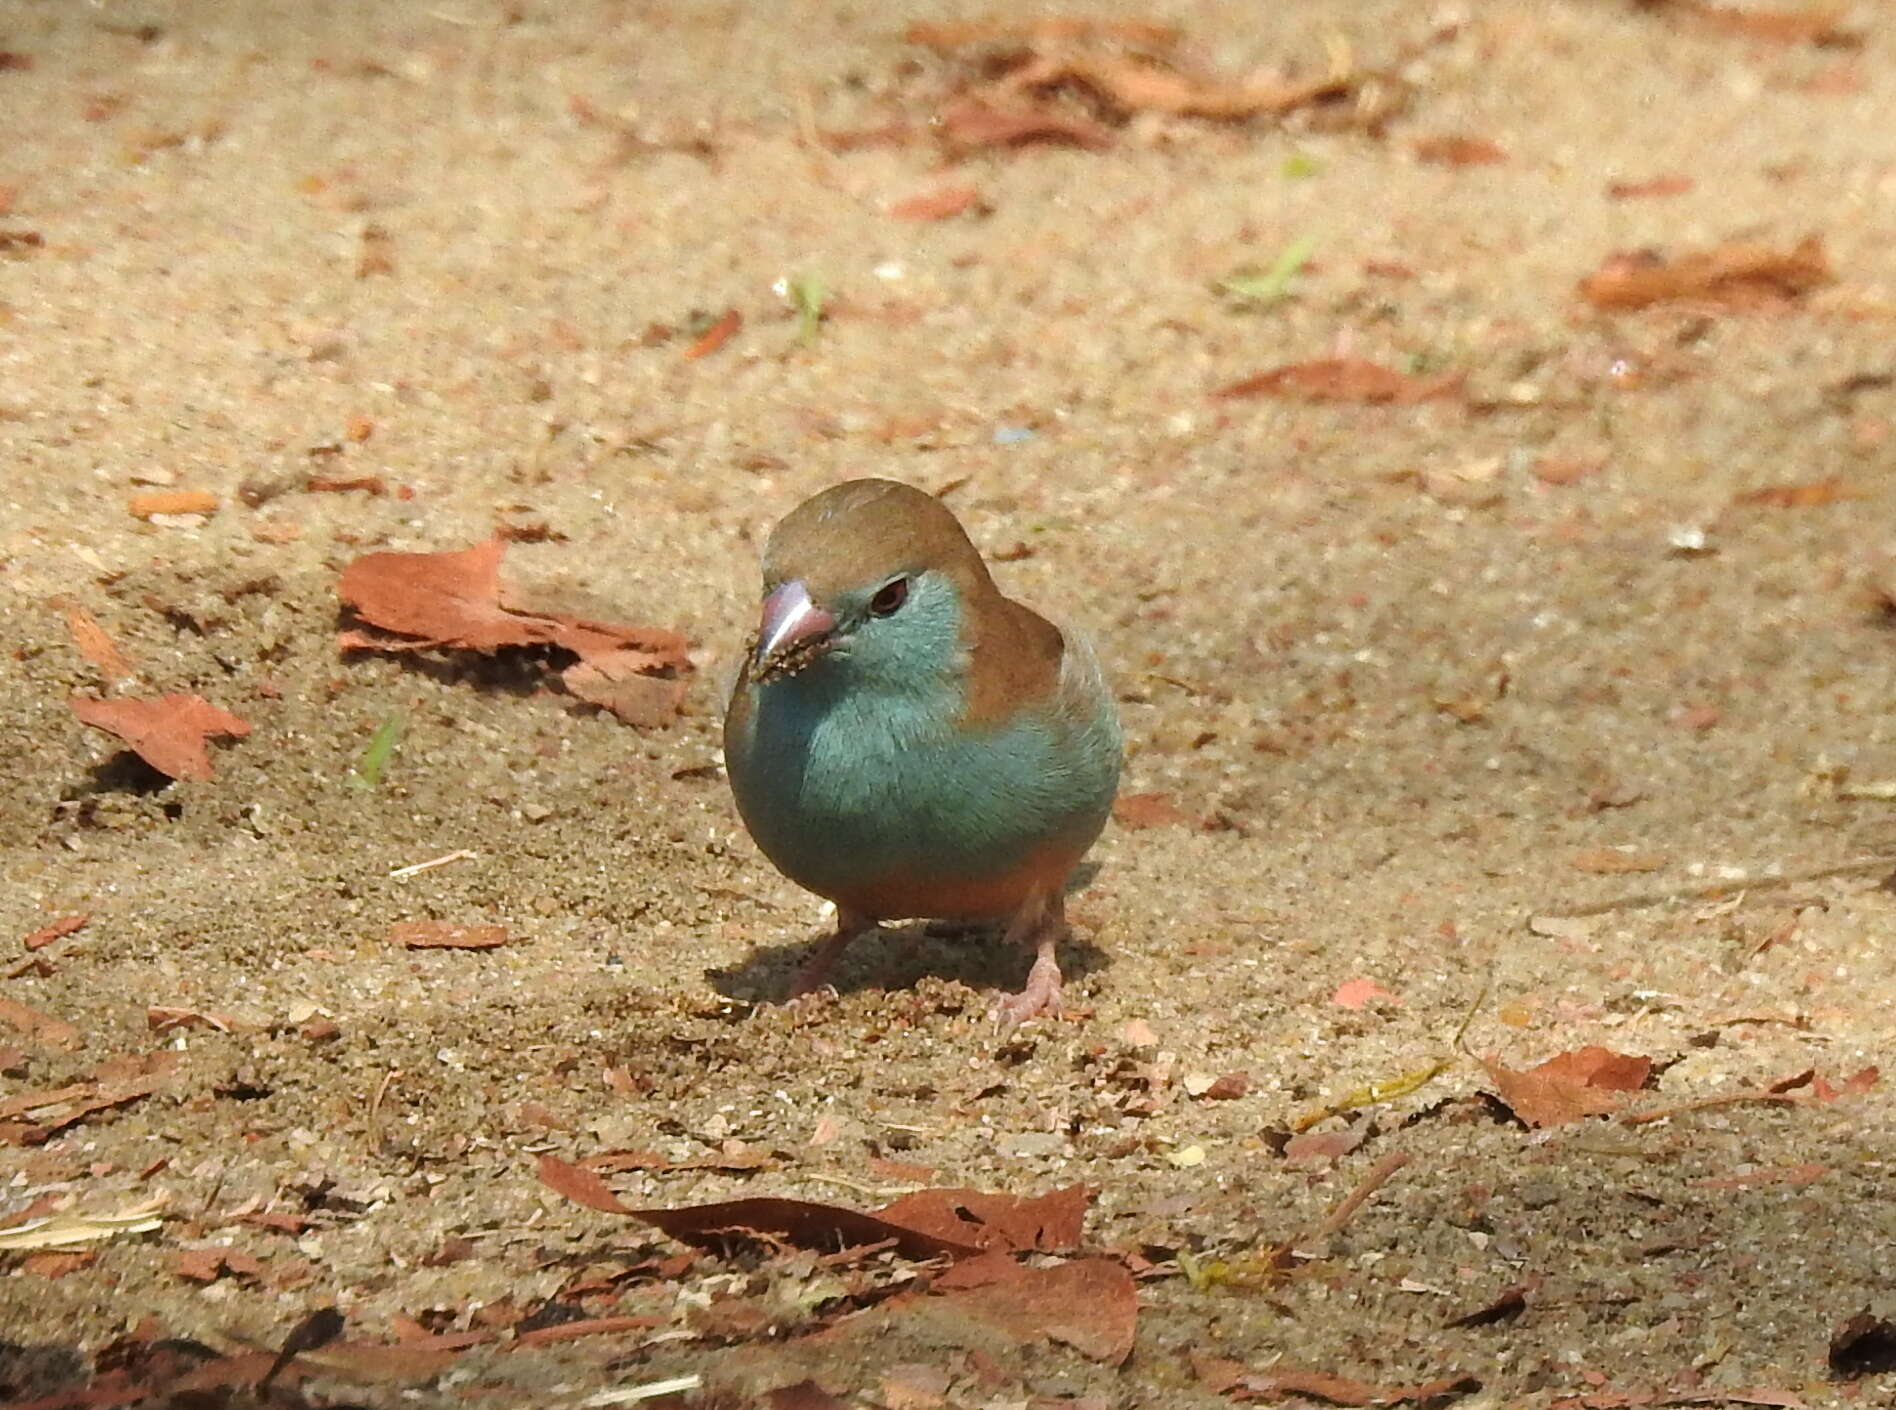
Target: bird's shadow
{"points": [[895, 957]]}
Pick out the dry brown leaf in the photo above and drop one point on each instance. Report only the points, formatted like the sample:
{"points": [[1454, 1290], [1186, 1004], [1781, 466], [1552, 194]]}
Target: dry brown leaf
{"points": [[58, 930], [445, 935], [589, 1327], [615, 681], [1089, 1304], [932, 1224], [159, 1020], [971, 123], [41, 1026], [422, 600], [716, 336], [95, 645], [1343, 379], [941, 203], [144, 506], [1814, 24], [1048, 1223], [1453, 150], [1140, 810], [1323, 1147], [50, 1264], [372, 485], [1611, 861], [1732, 276], [1670, 184], [1805, 496], [1592, 1081], [1282, 1382], [168, 733]]}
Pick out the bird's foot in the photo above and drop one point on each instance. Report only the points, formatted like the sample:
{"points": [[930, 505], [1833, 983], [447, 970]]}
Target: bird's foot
{"points": [[1040, 996], [809, 1001], [811, 982]]}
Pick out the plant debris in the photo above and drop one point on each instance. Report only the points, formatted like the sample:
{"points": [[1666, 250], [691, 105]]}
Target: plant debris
{"points": [[1343, 379], [1592, 1081], [1732, 277], [168, 733], [71, 1230], [419, 601], [444, 935]]}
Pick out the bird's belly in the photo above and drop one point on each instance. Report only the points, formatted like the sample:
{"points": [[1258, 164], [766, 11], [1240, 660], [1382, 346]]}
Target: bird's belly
{"points": [[893, 818]]}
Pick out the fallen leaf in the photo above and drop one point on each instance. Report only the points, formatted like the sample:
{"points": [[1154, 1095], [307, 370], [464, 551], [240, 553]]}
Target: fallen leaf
{"points": [[1048, 1223], [1343, 379], [1140, 810], [971, 123], [1457, 151], [372, 485], [1611, 861], [1142, 84], [41, 1026], [445, 935], [942, 203], [1323, 1147], [58, 930], [1504, 1306], [1090, 1304], [615, 681], [207, 1265], [1804, 496], [588, 1327], [1671, 184], [716, 336], [421, 600], [1854, 1085], [57, 1265], [1731, 276], [1355, 993], [159, 1020], [1281, 1382], [800, 1223], [168, 733], [1592, 1081], [1863, 1345], [1815, 24], [95, 645], [748, 1158], [144, 506]]}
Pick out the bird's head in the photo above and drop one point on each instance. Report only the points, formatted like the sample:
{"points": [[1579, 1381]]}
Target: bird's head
{"points": [[867, 584]]}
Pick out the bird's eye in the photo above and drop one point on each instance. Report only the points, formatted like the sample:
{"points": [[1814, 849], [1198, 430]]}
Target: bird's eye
{"points": [[889, 598]]}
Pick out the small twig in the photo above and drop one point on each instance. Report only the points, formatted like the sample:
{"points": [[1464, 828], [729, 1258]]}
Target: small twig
{"points": [[1640, 1118], [463, 855], [1379, 1174], [1712, 890]]}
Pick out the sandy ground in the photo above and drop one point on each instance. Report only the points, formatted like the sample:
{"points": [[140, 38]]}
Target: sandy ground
{"points": [[1418, 682]]}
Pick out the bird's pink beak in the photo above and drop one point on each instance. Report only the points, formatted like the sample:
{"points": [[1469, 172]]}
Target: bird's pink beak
{"points": [[794, 632]]}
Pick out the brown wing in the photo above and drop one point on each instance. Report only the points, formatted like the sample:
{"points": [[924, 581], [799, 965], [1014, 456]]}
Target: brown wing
{"points": [[1014, 655]]}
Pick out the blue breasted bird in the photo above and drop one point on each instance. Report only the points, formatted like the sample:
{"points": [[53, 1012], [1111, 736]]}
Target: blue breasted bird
{"points": [[908, 742]]}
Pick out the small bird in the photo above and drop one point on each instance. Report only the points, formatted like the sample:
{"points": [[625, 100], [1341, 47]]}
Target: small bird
{"points": [[909, 743]]}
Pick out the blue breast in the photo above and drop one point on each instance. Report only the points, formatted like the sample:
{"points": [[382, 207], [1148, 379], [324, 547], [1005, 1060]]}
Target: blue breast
{"points": [[842, 785]]}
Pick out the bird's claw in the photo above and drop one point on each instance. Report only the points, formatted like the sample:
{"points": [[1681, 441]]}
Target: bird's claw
{"points": [[1040, 996]]}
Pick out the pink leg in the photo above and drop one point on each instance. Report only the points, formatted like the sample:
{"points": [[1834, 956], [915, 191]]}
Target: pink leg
{"points": [[816, 969], [1041, 922]]}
